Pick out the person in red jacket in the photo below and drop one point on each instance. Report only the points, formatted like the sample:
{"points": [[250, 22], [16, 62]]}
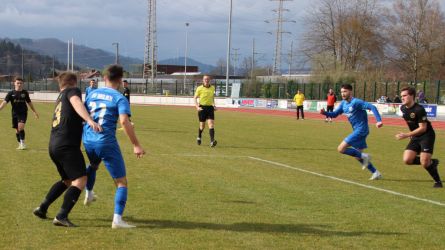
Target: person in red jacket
{"points": [[331, 99]]}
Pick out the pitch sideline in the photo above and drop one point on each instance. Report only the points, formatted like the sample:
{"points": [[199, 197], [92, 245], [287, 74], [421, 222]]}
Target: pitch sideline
{"points": [[349, 182]]}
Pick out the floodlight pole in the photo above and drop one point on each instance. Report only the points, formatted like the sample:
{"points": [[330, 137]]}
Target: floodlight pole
{"points": [[228, 49], [185, 58]]}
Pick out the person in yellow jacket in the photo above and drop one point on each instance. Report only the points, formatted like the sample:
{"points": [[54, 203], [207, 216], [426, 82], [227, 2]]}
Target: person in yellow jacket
{"points": [[299, 99], [206, 108]]}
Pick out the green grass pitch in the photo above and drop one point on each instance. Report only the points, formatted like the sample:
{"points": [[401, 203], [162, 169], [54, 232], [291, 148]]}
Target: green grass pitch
{"points": [[184, 196]]}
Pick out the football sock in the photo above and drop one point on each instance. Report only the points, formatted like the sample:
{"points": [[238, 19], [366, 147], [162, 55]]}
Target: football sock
{"points": [[434, 173], [416, 160], [70, 199], [353, 152], [120, 199], [22, 135], [54, 192], [371, 167], [91, 177], [200, 133], [212, 134], [18, 137]]}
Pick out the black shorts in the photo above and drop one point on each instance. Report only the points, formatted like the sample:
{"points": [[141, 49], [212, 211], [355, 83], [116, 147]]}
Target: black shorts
{"points": [[207, 113], [18, 118], [69, 161], [423, 144], [330, 108]]}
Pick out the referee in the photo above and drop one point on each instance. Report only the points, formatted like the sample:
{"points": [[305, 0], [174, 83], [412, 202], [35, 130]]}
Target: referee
{"points": [[421, 145], [206, 108]]}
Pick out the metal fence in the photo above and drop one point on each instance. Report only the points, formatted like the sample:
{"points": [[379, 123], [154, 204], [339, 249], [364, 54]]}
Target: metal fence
{"points": [[368, 91]]}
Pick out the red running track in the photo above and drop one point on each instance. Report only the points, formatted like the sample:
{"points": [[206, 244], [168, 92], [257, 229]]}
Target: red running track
{"points": [[438, 125]]}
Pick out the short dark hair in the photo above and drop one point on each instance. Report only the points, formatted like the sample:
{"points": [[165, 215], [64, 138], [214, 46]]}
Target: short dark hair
{"points": [[125, 81], [67, 79], [346, 86], [114, 72], [18, 78], [411, 90]]}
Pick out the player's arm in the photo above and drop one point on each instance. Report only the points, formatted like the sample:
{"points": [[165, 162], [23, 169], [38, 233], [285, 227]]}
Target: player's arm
{"points": [[195, 99], [338, 111], [129, 130], [418, 131], [80, 109], [3, 104], [33, 109], [374, 111], [214, 103]]}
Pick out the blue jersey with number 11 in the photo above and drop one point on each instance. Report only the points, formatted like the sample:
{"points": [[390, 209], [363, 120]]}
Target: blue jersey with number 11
{"points": [[104, 105]]}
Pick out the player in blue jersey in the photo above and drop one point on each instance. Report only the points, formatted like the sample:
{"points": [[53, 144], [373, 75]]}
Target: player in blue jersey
{"points": [[107, 106], [92, 87], [355, 143]]}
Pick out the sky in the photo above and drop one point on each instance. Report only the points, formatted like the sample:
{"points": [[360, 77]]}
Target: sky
{"points": [[99, 23]]}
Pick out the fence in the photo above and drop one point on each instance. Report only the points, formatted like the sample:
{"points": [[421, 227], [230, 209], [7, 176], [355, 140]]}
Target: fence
{"points": [[368, 91]]}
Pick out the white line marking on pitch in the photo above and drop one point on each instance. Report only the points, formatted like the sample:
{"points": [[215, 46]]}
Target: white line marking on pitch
{"points": [[350, 182], [203, 155]]}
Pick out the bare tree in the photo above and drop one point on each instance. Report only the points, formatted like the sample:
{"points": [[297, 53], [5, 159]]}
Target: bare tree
{"points": [[416, 33]]}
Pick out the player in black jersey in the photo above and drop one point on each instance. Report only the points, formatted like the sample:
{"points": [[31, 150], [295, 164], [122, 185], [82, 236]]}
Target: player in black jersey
{"points": [[20, 101], [421, 145], [64, 149], [126, 92]]}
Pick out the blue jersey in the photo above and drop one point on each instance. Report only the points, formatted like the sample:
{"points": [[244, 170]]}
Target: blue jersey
{"points": [[355, 110], [88, 90], [104, 105]]}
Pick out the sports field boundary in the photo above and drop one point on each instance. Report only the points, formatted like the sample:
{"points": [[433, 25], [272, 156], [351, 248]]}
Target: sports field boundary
{"points": [[348, 181]]}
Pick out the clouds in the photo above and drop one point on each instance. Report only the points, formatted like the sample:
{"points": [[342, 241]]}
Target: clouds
{"points": [[98, 23]]}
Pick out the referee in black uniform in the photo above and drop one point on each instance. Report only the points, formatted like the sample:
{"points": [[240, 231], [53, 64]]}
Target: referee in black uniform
{"points": [[64, 150], [421, 145], [19, 99], [126, 92]]}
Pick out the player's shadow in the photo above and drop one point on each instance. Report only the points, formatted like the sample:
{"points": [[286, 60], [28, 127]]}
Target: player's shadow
{"points": [[309, 229]]}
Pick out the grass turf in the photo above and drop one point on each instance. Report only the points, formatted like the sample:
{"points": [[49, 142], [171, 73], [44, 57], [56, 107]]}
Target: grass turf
{"points": [[184, 196]]}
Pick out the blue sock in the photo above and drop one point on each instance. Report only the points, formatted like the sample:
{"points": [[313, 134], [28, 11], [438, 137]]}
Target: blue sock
{"points": [[91, 177], [371, 167], [353, 152], [120, 199]]}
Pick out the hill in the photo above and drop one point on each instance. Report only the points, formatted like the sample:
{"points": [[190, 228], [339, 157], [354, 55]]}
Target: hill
{"points": [[84, 57]]}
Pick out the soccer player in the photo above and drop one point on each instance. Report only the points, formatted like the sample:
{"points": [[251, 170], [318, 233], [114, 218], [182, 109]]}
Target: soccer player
{"points": [[126, 92], [19, 99], [299, 99], [107, 105], [422, 136], [90, 88], [64, 150], [206, 109], [330, 99], [355, 143]]}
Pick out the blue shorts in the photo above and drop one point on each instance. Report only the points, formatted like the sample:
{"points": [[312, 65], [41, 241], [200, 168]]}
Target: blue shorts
{"points": [[357, 140], [110, 154]]}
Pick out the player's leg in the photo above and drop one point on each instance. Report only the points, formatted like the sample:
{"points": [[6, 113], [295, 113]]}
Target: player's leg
{"points": [[91, 170], [74, 166], [202, 125], [56, 190], [21, 132], [302, 112], [15, 125], [211, 122], [411, 157], [430, 165], [115, 165], [298, 112]]}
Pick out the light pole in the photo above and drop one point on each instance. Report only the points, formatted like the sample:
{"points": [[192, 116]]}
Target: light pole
{"points": [[116, 61], [185, 58], [228, 49]]}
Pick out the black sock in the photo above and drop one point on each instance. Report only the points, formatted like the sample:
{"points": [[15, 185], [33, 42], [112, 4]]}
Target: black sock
{"points": [[17, 136], [54, 192], [70, 199], [416, 160], [200, 133], [22, 135], [212, 134], [433, 172]]}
